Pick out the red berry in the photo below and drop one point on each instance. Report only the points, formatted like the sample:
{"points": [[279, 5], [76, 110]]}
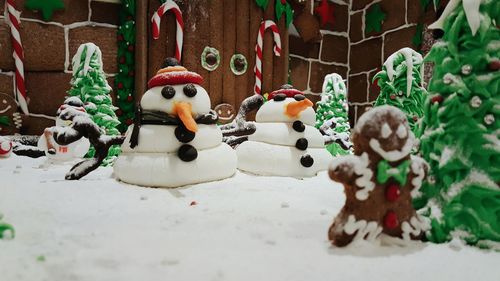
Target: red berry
{"points": [[131, 73], [119, 112], [121, 60], [130, 98], [193, 203], [415, 118], [120, 85], [437, 98], [393, 97], [129, 122], [392, 192], [130, 48], [494, 65], [130, 18], [283, 2], [391, 220], [120, 37]]}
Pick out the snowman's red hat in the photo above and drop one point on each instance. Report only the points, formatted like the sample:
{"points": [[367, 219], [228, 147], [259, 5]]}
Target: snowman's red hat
{"points": [[174, 75], [289, 92]]}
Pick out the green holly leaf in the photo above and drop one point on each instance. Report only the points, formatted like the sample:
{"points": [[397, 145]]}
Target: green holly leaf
{"points": [[289, 14], [374, 19], [262, 3], [284, 8], [279, 9], [47, 7], [4, 120], [417, 38]]}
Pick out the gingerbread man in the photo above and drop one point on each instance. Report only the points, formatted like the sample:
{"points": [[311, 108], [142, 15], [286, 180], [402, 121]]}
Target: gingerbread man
{"points": [[380, 181]]}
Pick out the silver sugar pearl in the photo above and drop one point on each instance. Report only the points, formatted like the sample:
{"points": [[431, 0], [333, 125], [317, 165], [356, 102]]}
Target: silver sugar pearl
{"points": [[489, 119], [466, 69], [447, 79], [475, 101], [431, 179]]}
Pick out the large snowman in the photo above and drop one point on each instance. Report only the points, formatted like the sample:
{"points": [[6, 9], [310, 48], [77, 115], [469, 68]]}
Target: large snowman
{"points": [[174, 140], [285, 142]]}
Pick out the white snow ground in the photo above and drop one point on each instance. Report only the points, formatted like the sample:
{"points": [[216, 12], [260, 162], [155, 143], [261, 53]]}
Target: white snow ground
{"points": [[242, 228]]}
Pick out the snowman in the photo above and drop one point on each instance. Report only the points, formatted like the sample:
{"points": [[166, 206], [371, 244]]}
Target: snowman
{"points": [[174, 140], [61, 153], [5, 147], [285, 142]]}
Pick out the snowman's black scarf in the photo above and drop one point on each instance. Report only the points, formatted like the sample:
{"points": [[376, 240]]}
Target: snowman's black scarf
{"points": [[149, 117]]}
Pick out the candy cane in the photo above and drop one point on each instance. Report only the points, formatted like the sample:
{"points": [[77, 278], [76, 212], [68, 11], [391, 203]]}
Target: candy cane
{"points": [[12, 17], [258, 48], [156, 20]]}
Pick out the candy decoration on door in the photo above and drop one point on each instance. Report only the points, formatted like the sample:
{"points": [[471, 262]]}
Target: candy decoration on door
{"points": [[258, 49], [13, 20], [156, 20]]}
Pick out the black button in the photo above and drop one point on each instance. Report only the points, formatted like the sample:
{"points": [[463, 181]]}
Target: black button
{"points": [[306, 160], [302, 144], [298, 126], [187, 153], [184, 135]]}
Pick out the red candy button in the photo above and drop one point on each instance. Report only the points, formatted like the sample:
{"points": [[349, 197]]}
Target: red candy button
{"points": [[392, 192], [391, 220]]}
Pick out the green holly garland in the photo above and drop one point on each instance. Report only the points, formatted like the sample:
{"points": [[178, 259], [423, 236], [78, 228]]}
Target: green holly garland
{"points": [[374, 18], [124, 80], [46, 7], [281, 7]]}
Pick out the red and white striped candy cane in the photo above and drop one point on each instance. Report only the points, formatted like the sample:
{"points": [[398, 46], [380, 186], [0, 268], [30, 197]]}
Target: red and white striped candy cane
{"points": [[13, 20], [156, 20], [258, 49]]}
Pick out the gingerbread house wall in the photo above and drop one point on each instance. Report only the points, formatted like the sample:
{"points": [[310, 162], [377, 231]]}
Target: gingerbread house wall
{"points": [[353, 53], [49, 47]]}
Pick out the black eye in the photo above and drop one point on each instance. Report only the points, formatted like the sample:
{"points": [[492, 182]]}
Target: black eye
{"points": [[279, 97], [190, 90], [168, 92], [299, 97]]}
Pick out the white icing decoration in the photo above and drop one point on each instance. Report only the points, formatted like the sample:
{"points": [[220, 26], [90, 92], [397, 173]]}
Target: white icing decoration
{"points": [[359, 166], [64, 153], [471, 9], [416, 226], [417, 167], [161, 139], [6, 109], [5, 147], [153, 100], [274, 111], [411, 58], [386, 131], [393, 155], [368, 231], [402, 132], [168, 170], [90, 49], [338, 85], [277, 160], [284, 134]]}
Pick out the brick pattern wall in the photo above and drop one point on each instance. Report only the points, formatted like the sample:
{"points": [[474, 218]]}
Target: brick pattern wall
{"points": [[353, 53], [49, 48]]}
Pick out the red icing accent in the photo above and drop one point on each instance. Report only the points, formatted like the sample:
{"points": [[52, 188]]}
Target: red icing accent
{"points": [[122, 60], [131, 48], [494, 65], [437, 98], [120, 38], [175, 78], [391, 220], [130, 98], [393, 97], [129, 122], [120, 85], [392, 192], [415, 118], [290, 93], [119, 112], [326, 12], [5, 152]]}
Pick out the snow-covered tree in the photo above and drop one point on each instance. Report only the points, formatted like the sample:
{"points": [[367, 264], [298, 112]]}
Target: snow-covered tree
{"points": [[400, 83], [461, 126], [331, 115], [90, 85]]}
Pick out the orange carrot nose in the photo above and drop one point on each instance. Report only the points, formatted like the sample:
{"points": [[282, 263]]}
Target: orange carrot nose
{"points": [[294, 108], [183, 111]]}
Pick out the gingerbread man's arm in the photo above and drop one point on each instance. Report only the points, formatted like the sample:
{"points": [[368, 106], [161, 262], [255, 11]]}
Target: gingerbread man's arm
{"points": [[342, 169]]}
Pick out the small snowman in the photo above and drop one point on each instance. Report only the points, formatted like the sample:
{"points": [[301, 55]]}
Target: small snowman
{"points": [[61, 153], [285, 142], [174, 140], [5, 147]]}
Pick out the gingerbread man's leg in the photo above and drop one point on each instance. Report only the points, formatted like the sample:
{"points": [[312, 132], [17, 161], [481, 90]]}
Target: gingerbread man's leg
{"points": [[47, 133]]}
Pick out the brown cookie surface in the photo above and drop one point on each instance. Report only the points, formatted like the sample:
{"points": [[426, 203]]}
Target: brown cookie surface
{"points": [[10, 119]]}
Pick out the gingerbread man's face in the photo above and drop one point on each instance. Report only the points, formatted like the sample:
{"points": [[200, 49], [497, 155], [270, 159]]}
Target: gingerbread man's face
{"points": [[9, 118], [386, 134]]}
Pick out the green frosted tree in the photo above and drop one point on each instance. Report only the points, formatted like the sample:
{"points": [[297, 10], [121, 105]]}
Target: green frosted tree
{"points": [[331, 115], [461, 127], [90, 85], [400, 83]]}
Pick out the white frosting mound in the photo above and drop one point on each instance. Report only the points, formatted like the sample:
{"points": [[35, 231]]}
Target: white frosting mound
{"points": [[284, 134], [274, 111], [77, 149], [153, 100], [156, 138], [275, 160], [167, 170]]}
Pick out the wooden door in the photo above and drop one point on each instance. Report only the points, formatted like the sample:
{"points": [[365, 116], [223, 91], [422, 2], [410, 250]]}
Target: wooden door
{"points": [[230, 27]]}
